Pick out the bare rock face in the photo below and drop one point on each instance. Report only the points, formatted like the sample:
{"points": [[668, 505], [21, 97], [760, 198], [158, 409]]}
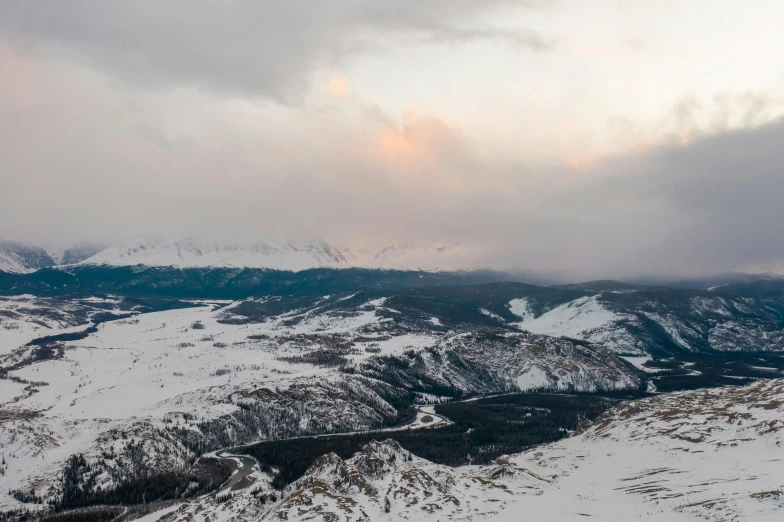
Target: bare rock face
{"points": [[341, 476], [379, 459], [503, 469]]}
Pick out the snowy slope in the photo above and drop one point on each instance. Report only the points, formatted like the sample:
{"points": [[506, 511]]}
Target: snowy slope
{"points": [[25, 317], [632, 322], [200, 369], [136, 377], [224, 373], [705, 455], [573, 319], [702, 455], [584, 318]]}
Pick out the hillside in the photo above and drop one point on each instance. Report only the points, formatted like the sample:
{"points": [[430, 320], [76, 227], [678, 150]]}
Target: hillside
{"points": [[227, 373], [111, 395], [706, 455]]}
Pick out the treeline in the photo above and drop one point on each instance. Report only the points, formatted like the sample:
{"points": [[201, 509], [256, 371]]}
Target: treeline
{"points": [[223, 283], [483, 430], [80, 489], [88, 514], [96, 319], [318, 358], [691, 371]]}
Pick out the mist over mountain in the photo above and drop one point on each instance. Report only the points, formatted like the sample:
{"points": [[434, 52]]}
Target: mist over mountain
{"points": [[23, 258], [78, 253], [312, 253], [291, 255]]}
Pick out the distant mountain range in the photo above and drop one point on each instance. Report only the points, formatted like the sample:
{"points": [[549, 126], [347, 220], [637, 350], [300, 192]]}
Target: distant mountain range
{"points": [[23, 258], [78, 253], [280, 255], [307, 254]]}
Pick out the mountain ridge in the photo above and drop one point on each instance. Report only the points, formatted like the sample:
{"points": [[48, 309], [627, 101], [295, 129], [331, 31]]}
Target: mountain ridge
{"points": [[313, 253], [21, 258], [293, 255]]}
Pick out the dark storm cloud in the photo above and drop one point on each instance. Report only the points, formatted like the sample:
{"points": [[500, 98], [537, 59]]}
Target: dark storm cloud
{"points": [[709, 206], [262, 48]]}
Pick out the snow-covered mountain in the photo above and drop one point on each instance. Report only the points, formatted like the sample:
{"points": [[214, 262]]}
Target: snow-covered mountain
{"points": [[78, 253], [286, 255], [703, 455], [411, 256], [706, 455], [302, 366], [97, 406], [22, 258], [189, 252]]}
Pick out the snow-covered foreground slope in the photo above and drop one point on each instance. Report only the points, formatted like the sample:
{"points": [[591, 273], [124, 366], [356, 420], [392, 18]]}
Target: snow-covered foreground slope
{"points": [[705, 455], [168, 385]]}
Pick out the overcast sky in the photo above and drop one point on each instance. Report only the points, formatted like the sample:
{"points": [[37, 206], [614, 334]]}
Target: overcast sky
{"points": [[603, 138]]}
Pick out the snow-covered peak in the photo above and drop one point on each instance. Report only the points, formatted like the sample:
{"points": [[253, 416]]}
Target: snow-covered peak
{"points": [[411, 255], [190, 252], [285, 255], [321, 251], [77, 253], [21, 258], [379, 458]]}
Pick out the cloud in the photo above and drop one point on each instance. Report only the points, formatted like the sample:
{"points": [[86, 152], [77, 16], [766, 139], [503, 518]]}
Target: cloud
{"points": [[85, 160], [708, 206], [337, 86], [119, 119], [267, 48], [421, 137], [79, 162], [453, 21]]}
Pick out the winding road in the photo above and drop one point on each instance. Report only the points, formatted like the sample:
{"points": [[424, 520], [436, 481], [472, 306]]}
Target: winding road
{"points": [[425, 418]]}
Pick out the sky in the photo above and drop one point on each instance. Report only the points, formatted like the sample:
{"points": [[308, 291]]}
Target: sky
{"points": [[610, 138]]}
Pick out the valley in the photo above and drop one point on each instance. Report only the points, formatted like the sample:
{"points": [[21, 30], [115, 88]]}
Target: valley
{"points": [[121, 400]]}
